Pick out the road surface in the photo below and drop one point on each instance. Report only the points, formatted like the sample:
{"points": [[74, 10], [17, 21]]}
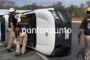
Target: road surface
{"points": [[77, 51]]}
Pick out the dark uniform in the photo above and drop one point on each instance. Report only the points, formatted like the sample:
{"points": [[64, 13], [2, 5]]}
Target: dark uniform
{"points": [[23, 24], [85, 26], [13, 20], [22, 38]]}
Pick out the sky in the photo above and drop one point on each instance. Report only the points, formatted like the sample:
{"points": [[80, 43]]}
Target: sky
{"points": [[49, 2]]}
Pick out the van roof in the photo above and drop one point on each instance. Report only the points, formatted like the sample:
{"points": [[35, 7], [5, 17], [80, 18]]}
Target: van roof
{"points": [[46, 9]]}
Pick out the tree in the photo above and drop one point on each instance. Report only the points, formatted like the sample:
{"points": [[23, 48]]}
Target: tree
{"points": [[32, 6], [58, 5], [6, 4], [24, 7], [88, 3], [82, 10], [78, 11]]}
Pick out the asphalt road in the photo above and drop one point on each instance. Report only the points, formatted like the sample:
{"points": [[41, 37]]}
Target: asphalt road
{"points": [[77, 51]]}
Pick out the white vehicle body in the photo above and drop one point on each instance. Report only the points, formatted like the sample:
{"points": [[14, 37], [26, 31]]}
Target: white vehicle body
{"points": [[45, 43], [5, 14], [48, 42]]}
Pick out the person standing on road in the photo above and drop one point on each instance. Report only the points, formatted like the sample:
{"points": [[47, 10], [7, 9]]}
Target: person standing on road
{"points": [[22, 37], [85, 28], [12, 22]]}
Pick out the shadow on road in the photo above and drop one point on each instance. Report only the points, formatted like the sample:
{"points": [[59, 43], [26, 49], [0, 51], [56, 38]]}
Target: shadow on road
{"points": [[81, 53]]}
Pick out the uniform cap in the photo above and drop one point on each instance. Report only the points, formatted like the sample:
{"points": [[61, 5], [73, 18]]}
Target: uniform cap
{"points": [[23, 15], [88, 9], [12, 10]]}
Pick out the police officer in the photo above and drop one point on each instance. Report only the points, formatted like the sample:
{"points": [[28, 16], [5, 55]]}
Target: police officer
{"points": [[85, 27], [12, 22], [22, 38]]}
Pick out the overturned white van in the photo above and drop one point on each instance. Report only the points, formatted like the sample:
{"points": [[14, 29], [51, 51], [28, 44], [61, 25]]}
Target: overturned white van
{"points": [[52, 35]]}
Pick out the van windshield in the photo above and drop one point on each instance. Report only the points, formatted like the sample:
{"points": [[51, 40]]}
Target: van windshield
{"points": [[54, 14], [64, 15]]}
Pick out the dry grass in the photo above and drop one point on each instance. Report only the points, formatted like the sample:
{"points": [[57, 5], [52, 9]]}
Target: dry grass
{"points": [[77, 18]]}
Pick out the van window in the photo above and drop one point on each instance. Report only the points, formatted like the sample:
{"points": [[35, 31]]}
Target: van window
{"points": [[58, 20], [64, 15], [54, 14]]}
